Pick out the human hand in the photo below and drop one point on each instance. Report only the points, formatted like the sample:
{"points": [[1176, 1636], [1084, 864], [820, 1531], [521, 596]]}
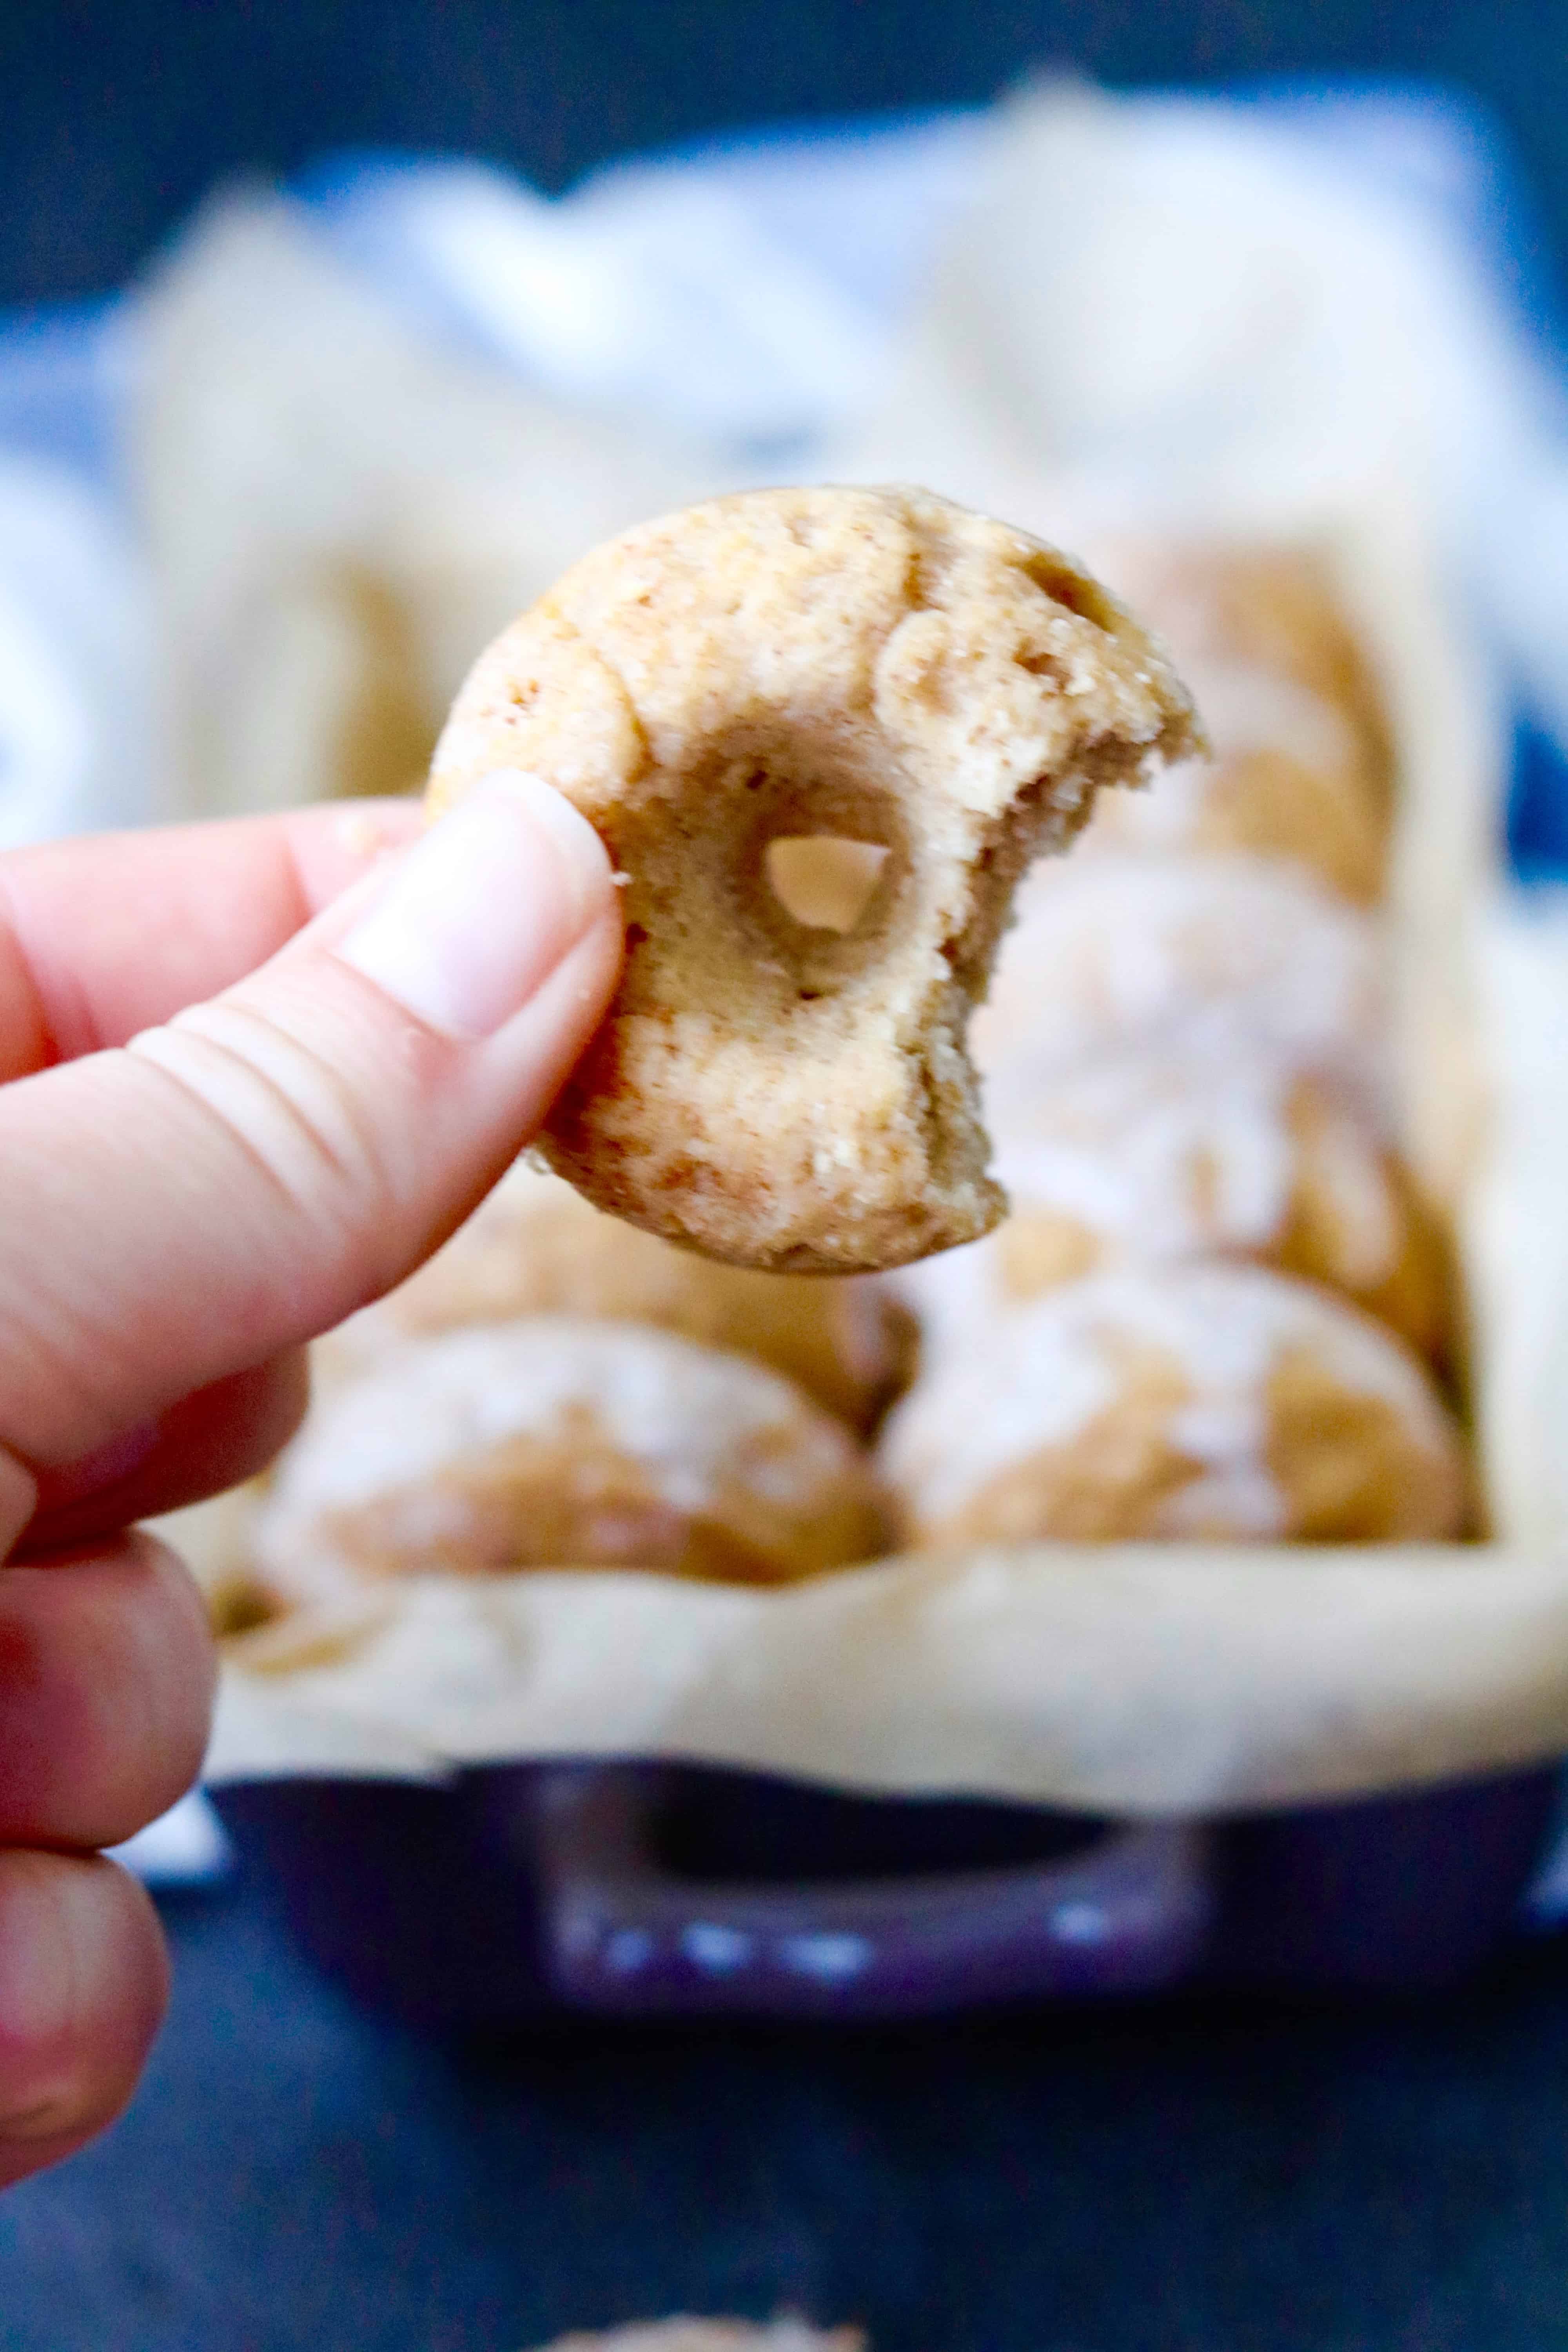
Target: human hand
{"points": [[250, 1074]]}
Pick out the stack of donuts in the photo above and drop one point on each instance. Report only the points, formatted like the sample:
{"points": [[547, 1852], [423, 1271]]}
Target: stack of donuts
{"points": [[1218, 1309]]}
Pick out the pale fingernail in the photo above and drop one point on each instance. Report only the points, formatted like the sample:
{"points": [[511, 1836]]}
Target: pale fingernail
{"points": [[478, 915]]}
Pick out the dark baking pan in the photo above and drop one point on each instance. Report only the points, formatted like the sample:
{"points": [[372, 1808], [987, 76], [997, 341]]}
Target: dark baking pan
{"points": [[518, 1892]]}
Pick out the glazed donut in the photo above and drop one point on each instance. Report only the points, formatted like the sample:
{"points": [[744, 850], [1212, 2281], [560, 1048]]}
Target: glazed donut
{"points": [[683, 2335], [1288, 779], [1277, 608], [536, 1247], [873, 665], [1149, 1157], [1214, 951], [553, 1442], [1204, 1401]]}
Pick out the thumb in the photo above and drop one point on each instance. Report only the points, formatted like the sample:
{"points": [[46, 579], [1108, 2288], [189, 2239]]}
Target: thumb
{"points": [[243, 1177]]}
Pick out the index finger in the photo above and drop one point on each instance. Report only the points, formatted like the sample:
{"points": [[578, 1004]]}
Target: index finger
{"points": [[102, 938]]}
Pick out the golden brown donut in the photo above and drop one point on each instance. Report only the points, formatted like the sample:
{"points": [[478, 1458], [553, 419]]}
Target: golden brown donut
{"points": [[536, 1247], [1217, 953], [685, 2334], [1204, 1401], [1150, 1156], [553, 1442], [1274, 606], [1288, 778], [876, 665]]}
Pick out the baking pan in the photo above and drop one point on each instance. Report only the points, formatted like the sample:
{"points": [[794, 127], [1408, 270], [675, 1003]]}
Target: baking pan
{"points": [[514, 1894]]}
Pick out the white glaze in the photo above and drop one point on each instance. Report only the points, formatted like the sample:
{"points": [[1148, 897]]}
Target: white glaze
{"points": [[1038, 1373], [1166, 1154], [690, 1415], [1214, 949]]}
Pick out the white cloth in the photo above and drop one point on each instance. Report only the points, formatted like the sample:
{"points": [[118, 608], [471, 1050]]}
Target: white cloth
{"points": [[1323, 276], [75, 730]]}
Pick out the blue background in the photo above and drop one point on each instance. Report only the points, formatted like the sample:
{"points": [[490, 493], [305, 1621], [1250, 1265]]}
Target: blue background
{"points": [[115, 115]]}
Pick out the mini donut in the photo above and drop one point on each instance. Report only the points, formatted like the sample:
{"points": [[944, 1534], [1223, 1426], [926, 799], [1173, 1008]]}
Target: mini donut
{"points": [[786, 2333], [1206, 1401], [874, 664], [1275, 607], [554, 1443], [536, 1247], [1153, 1156], [1288, 779], [1216, 951]]}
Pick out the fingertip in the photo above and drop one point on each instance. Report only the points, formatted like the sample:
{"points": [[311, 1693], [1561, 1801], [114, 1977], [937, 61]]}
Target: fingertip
{"points": [[84, 1983], [176, 1684], [552, 813], [215, 1438], [273, 1157], [554, 1028], [105, 1712]]}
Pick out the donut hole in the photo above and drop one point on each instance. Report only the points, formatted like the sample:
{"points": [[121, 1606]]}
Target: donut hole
{"points": [[825, 881], [811, 872]]}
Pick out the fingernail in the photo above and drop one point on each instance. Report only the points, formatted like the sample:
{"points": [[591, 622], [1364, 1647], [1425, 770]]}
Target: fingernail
{"points": [[478, 915], [40, 1905]]}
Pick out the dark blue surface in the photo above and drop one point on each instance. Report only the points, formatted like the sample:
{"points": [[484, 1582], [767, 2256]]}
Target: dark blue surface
{"points": [[297, 2177], [118, 114]]}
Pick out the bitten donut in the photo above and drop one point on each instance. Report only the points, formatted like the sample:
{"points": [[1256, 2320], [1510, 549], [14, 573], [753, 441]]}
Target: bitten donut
{"points": [[1220, 950], [536, 1247], [553, 1443], [874, 664], [1212, 1401], [1191, 1151]]}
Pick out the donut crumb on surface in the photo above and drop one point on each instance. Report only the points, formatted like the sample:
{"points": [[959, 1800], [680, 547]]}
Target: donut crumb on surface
{"points": [[684, 2334]]}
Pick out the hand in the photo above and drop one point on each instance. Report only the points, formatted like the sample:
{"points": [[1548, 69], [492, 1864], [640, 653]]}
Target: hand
{"points": [[250, 1074]]}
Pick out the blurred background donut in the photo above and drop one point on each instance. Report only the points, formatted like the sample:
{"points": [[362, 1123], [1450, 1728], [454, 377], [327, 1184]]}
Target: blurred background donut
{"points": [[1203, 1402], [536, 1247], [1195, 1149], [549, 1441], [1114, 949]]}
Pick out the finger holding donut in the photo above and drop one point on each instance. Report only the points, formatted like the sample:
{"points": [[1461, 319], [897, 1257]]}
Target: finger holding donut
{"points": [[875, 664]]}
